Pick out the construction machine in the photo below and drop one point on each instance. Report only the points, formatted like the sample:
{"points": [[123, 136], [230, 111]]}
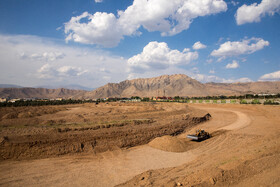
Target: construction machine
{"points": [[199, 135]]}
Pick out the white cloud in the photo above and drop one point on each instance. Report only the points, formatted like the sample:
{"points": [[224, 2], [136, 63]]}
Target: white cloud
{"points": [[244, 79], [209, 60], [198, 45], [234, 3], [48, 71], [212, 71], [165, 16], [156, 56], [254, 12], [79, 65], [236, 48], [195, 70], [275, 76], [101, 29], [232, 65], [98, 1], [45, 56]]}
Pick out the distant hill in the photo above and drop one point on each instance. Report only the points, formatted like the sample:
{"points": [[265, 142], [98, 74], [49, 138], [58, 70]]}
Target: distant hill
{"points": [[179, 85], [165, 85], [70, 87], [39, 93], [245, 88], [169, 85]]}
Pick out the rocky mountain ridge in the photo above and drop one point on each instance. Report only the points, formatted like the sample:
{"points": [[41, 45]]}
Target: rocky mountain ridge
{"points": [[165, 85]]}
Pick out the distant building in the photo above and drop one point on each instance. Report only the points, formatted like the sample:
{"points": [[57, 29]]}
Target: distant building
{"points": [[2, 100], [13, 100]]}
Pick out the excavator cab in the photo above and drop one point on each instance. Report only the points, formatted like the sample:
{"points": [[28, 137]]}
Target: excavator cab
{"points": [[199, 135]]}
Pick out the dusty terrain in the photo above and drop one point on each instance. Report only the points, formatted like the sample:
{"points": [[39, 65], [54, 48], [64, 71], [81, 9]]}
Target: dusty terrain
{"points": [[43, 132], [130, 145]]}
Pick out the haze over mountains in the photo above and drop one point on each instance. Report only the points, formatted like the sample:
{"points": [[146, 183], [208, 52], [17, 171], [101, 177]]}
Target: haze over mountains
{"points": [[165, 85]]}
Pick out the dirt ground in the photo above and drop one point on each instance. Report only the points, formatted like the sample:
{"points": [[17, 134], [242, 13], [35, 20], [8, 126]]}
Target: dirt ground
{"points": [[148, 146], [88, 128]]}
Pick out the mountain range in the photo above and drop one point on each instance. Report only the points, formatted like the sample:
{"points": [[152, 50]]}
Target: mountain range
{"points": [[165, 85]]}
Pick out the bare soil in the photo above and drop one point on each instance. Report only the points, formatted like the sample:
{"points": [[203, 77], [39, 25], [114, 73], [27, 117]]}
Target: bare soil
{"points": [[243, 149], [43, 132]]}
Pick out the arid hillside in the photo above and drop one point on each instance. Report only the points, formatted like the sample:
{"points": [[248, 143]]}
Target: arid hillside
{"points": [[169, 85], [165, 85], [42, 93], [179, 85]]}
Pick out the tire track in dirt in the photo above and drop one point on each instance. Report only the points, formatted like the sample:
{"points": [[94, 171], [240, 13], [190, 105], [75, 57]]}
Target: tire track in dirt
{"points": [[221, 135], [112, 167]]}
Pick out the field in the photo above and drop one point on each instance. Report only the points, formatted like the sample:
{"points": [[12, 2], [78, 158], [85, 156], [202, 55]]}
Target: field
{"points": [[139, 144]]}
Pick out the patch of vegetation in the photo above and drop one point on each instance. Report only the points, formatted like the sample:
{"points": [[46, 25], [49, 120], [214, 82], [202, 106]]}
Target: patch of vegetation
{"points": [[270, 102], [255, 101], [243, 101], [20, 103]]}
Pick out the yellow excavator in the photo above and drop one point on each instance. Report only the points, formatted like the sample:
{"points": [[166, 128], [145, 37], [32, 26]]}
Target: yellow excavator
{"points": [[199, 135]]}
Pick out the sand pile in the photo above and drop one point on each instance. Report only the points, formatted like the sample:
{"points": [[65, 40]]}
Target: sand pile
{"points": [[171, 144]]}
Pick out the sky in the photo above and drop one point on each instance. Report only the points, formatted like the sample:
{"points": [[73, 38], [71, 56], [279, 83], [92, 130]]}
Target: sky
{"points": [[94, 42]]}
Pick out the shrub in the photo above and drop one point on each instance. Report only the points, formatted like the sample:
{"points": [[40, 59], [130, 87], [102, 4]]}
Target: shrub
{"points": [[255, 101], [269, 102]]}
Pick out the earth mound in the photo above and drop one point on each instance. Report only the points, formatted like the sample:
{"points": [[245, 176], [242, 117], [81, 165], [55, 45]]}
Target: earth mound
{"points": [[171, 144]]}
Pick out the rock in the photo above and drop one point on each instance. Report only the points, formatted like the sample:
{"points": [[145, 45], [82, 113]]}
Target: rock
{"points": [[212, 180], [3, 139]]}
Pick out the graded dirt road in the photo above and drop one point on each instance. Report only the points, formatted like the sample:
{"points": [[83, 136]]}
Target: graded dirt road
{"points": [[244, 151]]}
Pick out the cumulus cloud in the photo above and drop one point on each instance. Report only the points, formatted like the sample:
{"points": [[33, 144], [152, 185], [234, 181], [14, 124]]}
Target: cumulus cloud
{"points": [[198, 45], [165, 16], [101, 28], [48, 71], [232, 65], [45, 56], [98, 1], [275, 76], [254, 12], [236, 48], [157, 56]]}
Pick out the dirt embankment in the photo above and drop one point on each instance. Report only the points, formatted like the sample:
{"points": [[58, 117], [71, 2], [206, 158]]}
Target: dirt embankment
{"points": [[96, 138], [243, 152]]}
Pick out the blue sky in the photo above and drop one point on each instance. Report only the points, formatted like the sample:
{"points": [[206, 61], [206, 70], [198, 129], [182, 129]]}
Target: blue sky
{"points": [[92, 43]]}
